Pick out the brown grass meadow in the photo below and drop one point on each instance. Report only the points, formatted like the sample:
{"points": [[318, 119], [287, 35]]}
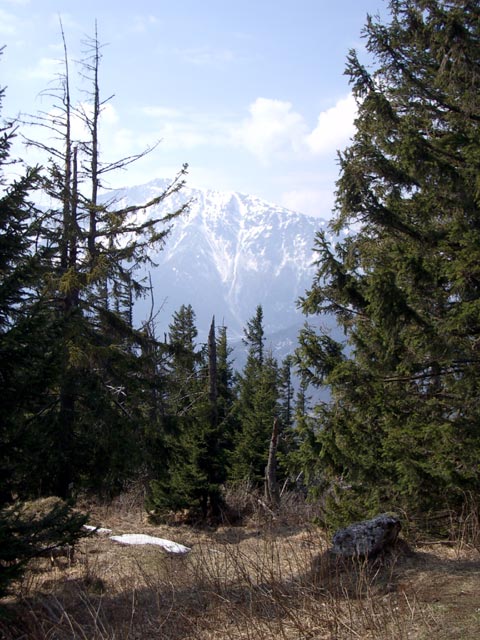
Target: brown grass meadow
{"points": [[270, 578]]}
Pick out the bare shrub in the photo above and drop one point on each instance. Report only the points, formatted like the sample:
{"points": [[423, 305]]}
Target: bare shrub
{"points": [[465, 526], [245, 505]]}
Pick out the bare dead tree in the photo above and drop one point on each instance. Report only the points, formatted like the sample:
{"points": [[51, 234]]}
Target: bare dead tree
{"points": [[95, 245]]}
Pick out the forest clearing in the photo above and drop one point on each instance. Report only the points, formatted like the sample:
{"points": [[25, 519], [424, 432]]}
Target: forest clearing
{"points": [[110, 421], [269, 578]]}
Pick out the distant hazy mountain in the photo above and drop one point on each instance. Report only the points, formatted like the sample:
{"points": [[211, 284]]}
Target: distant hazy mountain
{"points": [[228, 254]]}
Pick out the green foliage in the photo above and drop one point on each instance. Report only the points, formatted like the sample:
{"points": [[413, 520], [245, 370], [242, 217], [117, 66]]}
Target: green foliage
{"points": [[257, 406], [26, 327], [288, 429], [401, 430], [199, 411], [174, 476], [78, 392], [97, 410], [31, 529]]}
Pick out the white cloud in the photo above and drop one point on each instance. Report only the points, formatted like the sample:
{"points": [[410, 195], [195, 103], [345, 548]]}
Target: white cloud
{"points": [[272, 128], [121, 143], [162, 112], [67, 21], [182, 136], [185, 129], [334, 128], [45, 69], [108, 118], [8, 23], [142, 23], [109, 114], [275, 129], [313, 202]]}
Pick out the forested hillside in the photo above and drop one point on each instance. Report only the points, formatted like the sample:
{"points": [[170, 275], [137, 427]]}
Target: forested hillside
{"points": [[90, 401]]}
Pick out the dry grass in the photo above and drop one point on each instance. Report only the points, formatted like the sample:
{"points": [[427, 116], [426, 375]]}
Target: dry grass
{"points": [[260, 581]]}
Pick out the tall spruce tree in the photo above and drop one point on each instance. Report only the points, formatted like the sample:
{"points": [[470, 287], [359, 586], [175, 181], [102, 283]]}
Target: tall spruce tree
{"points": [[184, 362], [256, 407], [225, 387], [402, 428], [211, 438], [173, 477], [199, 414], [22, 329], [302, 456], [97, 403], [286, 422], [26, 330], [24, 374]]}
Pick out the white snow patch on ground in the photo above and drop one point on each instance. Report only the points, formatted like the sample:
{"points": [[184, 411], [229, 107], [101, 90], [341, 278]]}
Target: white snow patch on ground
{"points": [[140, 538], [98, 530]]}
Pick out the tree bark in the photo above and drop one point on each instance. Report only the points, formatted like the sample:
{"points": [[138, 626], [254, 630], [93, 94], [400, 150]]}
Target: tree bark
{"points": [[272, 494]]}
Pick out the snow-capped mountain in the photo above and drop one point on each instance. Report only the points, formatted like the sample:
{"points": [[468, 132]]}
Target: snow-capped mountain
{"points": [[227, 254]]}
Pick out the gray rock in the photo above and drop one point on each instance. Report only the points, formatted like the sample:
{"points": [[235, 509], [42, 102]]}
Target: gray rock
{"points": [[367, 538]]}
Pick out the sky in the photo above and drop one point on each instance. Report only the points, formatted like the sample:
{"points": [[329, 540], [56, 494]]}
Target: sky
{"points": [[251, 94]]}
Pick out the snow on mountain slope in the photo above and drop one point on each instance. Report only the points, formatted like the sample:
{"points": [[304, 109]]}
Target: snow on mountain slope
{"points": [[227, 254]]}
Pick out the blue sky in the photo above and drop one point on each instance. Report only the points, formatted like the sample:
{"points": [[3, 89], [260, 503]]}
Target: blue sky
{"points": [[251, 94]]}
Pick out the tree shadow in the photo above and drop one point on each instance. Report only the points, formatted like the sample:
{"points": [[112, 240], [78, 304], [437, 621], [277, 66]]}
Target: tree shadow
{"points": [[180, 603]]}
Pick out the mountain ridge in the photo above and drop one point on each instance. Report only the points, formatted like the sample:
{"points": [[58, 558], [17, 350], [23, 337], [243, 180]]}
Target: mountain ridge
{"points": [[225, 255]]}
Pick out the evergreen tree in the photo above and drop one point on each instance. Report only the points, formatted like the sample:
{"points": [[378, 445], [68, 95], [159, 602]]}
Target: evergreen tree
{"points": [[225, 387], [98, 401], [32, 529], [402, 427], [154, 383], [304, 449], [23, 331], [257, 405], [286, 393], [199, 415], [211, 438], [25, 328], [173, 476], [184, 362], [286, 426], [215, 439], [24, 375]]}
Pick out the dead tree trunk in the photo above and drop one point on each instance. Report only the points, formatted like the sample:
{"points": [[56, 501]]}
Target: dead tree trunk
{"points": [[272, 494]]}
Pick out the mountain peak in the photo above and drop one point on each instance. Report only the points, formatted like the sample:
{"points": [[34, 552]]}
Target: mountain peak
{"points": [[227, 254]]}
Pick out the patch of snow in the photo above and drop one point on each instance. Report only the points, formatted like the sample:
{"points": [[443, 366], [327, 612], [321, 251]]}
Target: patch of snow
{"points": [[140, 538], [98, 530]]}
